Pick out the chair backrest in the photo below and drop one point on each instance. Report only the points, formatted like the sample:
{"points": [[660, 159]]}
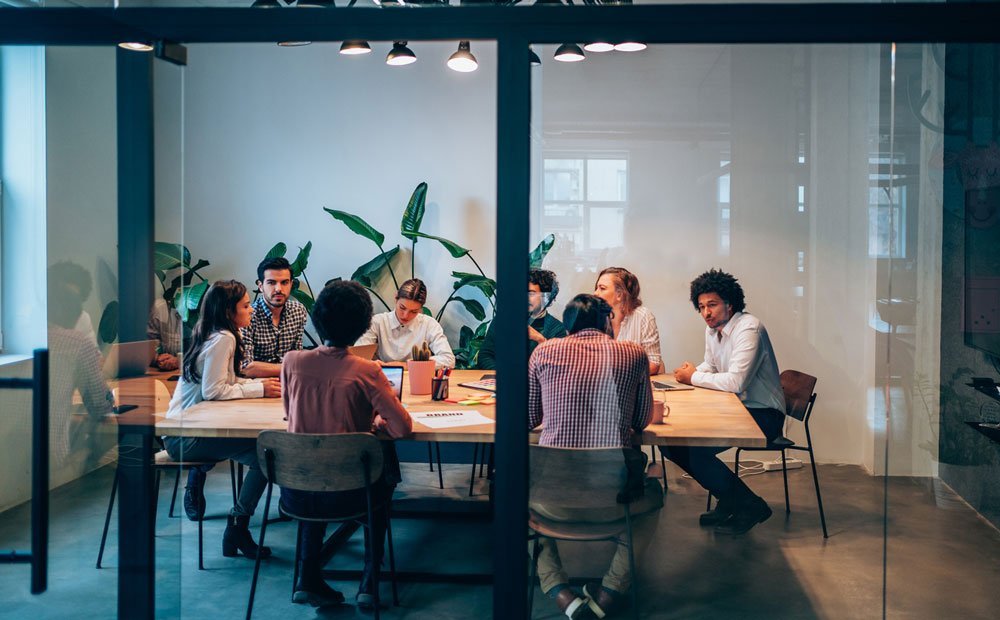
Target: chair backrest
{"points": [[308, 462], [799, 396], [576, 477]]}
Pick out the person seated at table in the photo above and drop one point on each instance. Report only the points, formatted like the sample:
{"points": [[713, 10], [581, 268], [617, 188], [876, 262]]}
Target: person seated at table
{"points": [[76, 280], [210, 372], [398, 331], [165, 325], [278, 321], [591, 391], [542, 290], [328, 390], [739, 359], [631, 321]]}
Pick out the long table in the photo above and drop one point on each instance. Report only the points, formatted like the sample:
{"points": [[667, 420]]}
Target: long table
{"points": [[697, 417]]}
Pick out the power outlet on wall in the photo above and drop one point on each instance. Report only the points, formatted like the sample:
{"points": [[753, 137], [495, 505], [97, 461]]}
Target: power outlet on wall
{"points": [[790, 463]]}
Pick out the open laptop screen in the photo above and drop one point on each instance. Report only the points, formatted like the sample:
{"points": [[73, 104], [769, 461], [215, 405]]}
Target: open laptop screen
{"points": [[395, 376]]}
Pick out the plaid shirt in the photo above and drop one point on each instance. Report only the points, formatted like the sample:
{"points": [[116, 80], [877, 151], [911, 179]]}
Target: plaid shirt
{"points": [[263, 342], [589, 390], [74, 364]]}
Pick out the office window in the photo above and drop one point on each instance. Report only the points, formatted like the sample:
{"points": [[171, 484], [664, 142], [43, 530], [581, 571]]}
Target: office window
{"points": [[722, 198], [585, 199], [886, 208]]}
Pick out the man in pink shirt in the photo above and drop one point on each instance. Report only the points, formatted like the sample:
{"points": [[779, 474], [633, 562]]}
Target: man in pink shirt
{"points": [[328, 390]]}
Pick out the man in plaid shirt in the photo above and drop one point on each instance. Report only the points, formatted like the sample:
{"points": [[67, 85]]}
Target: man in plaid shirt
{"points": [[591, 391], [278, 321]]}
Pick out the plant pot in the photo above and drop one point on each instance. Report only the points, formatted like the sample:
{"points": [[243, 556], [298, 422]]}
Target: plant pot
{"points": [[421, 374]]}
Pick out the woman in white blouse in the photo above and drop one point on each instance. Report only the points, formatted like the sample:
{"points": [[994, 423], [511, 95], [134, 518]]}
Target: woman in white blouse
{"points": [[632, 322], [210, 373]]}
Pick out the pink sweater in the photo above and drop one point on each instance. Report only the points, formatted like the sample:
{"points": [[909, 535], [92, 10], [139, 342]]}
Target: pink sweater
{"points": [[328, 390]]}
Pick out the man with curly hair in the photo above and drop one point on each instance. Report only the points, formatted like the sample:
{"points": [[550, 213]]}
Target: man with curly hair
{"points": [[542, 290], [739, 359]]}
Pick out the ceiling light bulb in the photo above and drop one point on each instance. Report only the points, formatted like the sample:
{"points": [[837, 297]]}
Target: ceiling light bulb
{"points": [[462, 60], [533, 58], [599, 47], [353, 48], [569, 52], [630, 46], [400, 55], [293, 43], [136, 46]]}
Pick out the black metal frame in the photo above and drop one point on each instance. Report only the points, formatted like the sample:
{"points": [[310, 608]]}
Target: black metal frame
{"points": [[513, 28], [38, 557]]}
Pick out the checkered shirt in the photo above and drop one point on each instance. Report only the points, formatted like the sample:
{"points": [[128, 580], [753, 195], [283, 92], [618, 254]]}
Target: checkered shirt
{"points": [[263, 342], [589, 391], [74, 364]]}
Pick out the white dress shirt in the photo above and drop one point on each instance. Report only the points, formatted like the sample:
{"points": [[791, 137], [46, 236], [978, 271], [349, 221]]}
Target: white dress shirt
{"points": [[741, 361], [218, 379], [640, 326], [396, 341]]}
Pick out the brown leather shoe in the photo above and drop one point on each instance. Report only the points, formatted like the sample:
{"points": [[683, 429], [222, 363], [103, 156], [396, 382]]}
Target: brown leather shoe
{"points": [[572, 604], [600, 600]]}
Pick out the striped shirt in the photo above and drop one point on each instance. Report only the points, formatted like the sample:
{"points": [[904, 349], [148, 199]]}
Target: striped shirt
{"points": [[640, 326], [589, 391]]}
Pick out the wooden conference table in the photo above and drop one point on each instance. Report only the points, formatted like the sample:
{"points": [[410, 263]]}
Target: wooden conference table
{"points": [[697, 417]]}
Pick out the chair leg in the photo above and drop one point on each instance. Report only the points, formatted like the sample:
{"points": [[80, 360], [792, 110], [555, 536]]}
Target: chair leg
{"points": [[784, 475], [239, 479], [819, 499], [631, 565], [430, 456], [201, 544], [370, 555], [392, 554], [475, 458], [232, 479], [256, 563], [437, 449], [173, 498], [536, 549], [107, 518], [708, 504], [482, 461], [736, 465], [295, 571]]}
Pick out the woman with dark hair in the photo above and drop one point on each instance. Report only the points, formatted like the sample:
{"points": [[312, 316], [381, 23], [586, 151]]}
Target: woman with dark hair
{"points": [[406, 326], [631, 321], [210, 372], [328, 390]]}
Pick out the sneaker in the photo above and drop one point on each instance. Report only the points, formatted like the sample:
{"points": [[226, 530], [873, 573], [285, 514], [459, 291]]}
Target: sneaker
{"points": [[194, 495], [600, 600], [572, 604], [744, 519], [365, 601], [319, 594]]}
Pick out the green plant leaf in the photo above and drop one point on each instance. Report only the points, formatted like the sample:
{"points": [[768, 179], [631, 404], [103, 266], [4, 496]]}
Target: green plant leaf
{"points": [[304, 298], [487, 285], [277, 251], [365, 274], [192, 295], [358, 226], [167, 256], [453, 248], [302, 260], [537, 256], [482, 329], [107, 329], [199, 265], [414, 213], [427, 311], [464, 336], [473, 307]]}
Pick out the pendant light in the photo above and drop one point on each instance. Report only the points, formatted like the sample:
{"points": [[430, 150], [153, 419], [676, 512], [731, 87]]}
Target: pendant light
{"points": [[599, 47], [136, 46], [569, 52], [400, 55], [462, 60], [630, 46], [533, 58], [354, 48]]}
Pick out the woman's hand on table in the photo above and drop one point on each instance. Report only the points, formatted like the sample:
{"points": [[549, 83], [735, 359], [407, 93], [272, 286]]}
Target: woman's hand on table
{"points": [[272, 387]]}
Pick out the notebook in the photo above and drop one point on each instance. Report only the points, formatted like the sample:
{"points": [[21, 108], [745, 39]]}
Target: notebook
{"points": [[669, 384], [395, 376]]}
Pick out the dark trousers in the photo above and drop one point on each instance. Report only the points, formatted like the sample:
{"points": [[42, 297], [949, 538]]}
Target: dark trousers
{"points": [[334, 505], [703, 465]]}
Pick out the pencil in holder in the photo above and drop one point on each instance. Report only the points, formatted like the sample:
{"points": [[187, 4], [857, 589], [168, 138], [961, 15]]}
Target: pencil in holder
{"points": [[439, 388]]}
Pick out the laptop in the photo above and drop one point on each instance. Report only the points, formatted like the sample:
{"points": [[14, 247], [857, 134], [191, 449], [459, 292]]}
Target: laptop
{"points": [[129, 359], [670, 384], [395, 376], [364, 351]]}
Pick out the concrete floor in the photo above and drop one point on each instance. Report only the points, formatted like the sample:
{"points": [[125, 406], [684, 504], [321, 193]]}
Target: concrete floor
{"points": [[943, 559]]}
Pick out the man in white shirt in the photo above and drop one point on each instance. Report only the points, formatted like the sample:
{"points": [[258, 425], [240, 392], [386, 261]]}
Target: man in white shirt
{"points": [[397, 332], [739, 359]]}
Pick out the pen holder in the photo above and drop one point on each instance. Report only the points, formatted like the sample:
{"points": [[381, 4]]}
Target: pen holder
{"points": [[421, 373], [439, 388]]}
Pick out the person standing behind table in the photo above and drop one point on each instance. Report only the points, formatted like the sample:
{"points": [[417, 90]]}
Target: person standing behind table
{"points": [[210, 373], [328, 390], [590, 391], [632, 322], [398, 331], [739, 359], [543, 287], [278, 321]]}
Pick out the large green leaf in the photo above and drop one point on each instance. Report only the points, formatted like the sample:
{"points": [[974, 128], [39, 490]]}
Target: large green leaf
{"points": [[464, 336], [192, 295], [357, 225], [200, 264], [427, 311], [473, 307], [365, 274], [108, 327], [487, 285], [304, 298], [277, 251], [537, 256], [414, 213], [302, 260], [167, 256], [453, 248]]}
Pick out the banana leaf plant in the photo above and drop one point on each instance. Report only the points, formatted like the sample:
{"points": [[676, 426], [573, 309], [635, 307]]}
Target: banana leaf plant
{"points": [[303, 295]]}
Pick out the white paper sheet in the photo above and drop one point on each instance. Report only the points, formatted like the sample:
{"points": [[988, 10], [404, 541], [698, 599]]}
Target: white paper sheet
{"points": [[450, 419]]}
